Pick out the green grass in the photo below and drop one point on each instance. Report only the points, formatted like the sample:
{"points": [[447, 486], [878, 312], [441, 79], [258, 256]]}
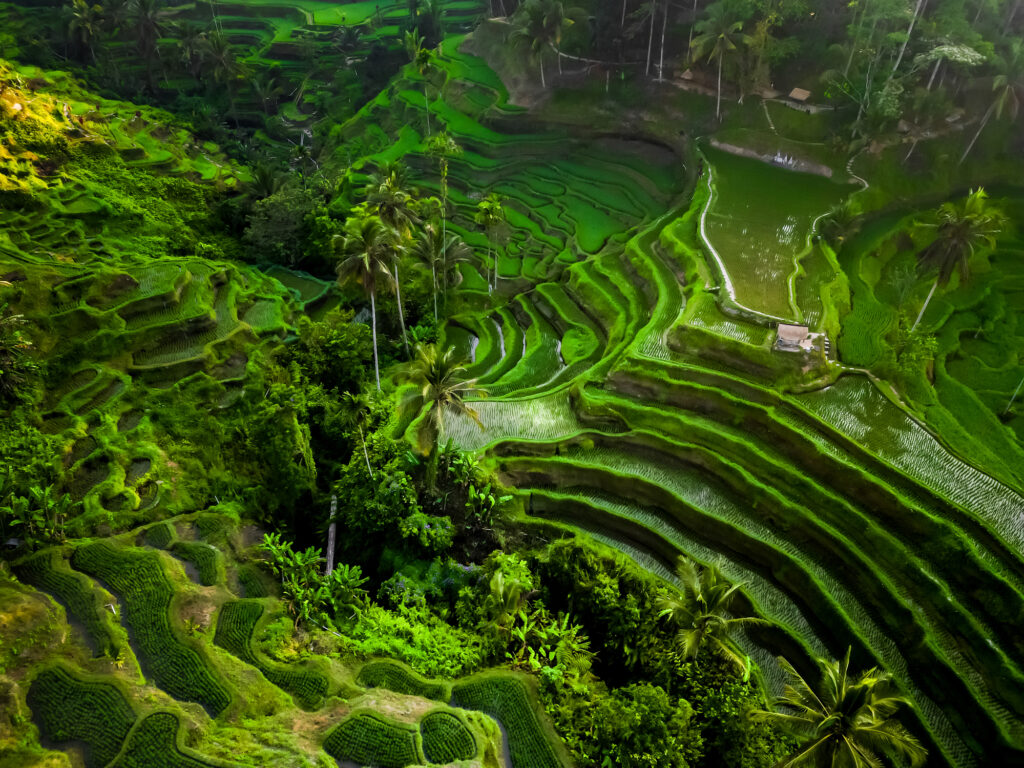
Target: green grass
{"points": [[505, 697], [139, 580], [366, 738], [235, 627], [70, 709], [396, 677], [446, 738]]}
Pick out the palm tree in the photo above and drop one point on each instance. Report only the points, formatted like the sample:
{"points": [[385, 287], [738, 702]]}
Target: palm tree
{"points": [[490, 214], [539, 25], [440, 387], [368, 246], [1008, 88], [192, 43], [85, 25], [423, 60], [219, 57], [148, 26], [961, 228], [700, 613], [443, 146], [847, 720], [441, 254], [719, 35]]}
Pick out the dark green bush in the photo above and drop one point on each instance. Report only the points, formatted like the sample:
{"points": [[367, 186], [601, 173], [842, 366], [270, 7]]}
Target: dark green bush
{"points": [[235, 628], [68, 709], [394, 677], [154, 744], [146, 594], [446, 738], [75, 592], [203, 556], [252, 582], [366, 738], [504, 697]]}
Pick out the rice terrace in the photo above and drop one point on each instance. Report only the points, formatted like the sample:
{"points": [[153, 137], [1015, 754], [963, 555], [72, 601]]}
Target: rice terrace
{"points": [[511, 384]]}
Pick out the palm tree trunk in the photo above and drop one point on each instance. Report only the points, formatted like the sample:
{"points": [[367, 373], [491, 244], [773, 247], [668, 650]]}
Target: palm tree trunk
{"points": [[622, 23], [426, 105], [693, 22], [543, 84], [487, 266], [984, 122], [935, 71], [910, 29], [926, 302], [373, 326], [856, 40], [661, 57], [331, 533], [1010, 17], [401, 314], [650, 39], [366, 453], [718, 105], [433, 276]]}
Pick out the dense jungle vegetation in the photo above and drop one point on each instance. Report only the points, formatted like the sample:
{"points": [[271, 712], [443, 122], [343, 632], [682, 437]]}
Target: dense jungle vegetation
{"points": [[511, 384]]}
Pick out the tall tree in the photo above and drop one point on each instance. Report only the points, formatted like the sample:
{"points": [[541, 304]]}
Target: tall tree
{"points": [[539, 25], [440, 388], [490, 214], [148, 26], [845, 720], [423, 60], [1007, 90], [85, 25], [443, 147], [719, 34], [442, 254], [962, 228], [368, 248], [700, 613]]}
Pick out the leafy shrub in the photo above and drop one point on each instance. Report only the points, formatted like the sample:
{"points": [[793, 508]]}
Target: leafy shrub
{"points": [[75, 592], [146, 595], [71, 710], [235, 628], [154, 744], [394, 677], [505, 698], [446, 738], [366, 738], [203, 556], [159, 536]]}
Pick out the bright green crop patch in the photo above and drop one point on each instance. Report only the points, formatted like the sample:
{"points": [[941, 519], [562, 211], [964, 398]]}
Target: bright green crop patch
{"points": [[446, 738], [205, 558], [504, 697], [74, 592], [138, 578], [394, 677], [235, 629], [154, 744], [159, 536], [366, 738], [68, 709]]}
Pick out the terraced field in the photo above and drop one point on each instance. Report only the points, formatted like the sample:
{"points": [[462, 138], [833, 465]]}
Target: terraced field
{"points": [[630, 395]]}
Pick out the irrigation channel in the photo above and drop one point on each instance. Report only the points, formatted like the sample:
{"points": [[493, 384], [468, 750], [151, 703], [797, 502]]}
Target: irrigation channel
{"points": [[633, 393]]}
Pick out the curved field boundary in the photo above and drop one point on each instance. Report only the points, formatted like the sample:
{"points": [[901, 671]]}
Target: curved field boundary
{"points": [[155, 742], [71, 709], [394, 676], [236, 625], [146, 594], [368, 738]]}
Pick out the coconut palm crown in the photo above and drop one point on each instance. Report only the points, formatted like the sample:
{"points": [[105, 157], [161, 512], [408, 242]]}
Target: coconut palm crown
{"points": [[846, 721]]}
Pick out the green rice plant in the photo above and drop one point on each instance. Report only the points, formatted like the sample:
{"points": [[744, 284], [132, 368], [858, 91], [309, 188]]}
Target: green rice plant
{"points": [[446, 738], [154, 744], [69, 709], [366, 738], [138, 578], [235, 628], [504, 697], [252, 581], [395, 677], [203, 556], [75, 592], [159, 536]]}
